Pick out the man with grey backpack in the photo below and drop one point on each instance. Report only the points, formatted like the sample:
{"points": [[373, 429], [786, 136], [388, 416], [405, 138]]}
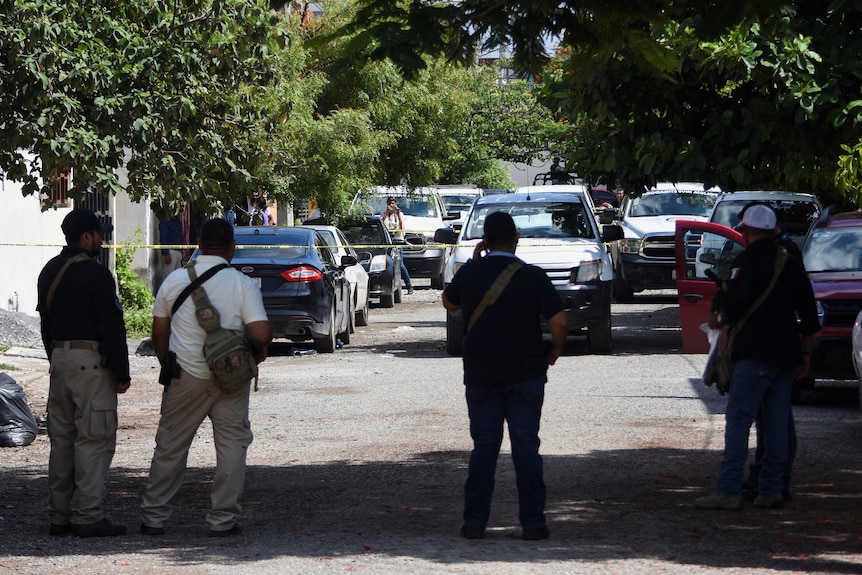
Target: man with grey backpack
{"points": [[195, 345]]}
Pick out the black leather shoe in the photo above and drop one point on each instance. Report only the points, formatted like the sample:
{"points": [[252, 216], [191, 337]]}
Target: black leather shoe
{"points": [[60, 529], [469, 531], [103, 528], [535, 533], [235, 530], [147, 530]]}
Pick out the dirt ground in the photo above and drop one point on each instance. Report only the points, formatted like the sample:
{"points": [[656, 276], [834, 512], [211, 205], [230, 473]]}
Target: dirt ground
{"points": [[359, 459]]}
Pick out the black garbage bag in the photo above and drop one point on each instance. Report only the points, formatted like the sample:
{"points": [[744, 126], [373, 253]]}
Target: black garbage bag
{"points": [[18, 427]]}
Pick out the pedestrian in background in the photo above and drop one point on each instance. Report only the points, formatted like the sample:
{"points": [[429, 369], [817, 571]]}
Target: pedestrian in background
{"points": [[85, 338], [192, 395], [171, 234], [394, 220], [771, 346], [505, 370]]}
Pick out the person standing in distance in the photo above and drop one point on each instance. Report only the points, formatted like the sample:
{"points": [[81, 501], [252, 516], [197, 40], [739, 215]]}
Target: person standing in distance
{"points": [[85, 338], [505, 371], [193, 395], [394, 221], [770, 348]]}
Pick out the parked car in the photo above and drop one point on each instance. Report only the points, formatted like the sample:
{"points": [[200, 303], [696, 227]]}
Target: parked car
{"points": [[644, 258], [356, 274], [369, 235], [794, 212], [305, 291], [560, 235], [423, 213], [857, 352], [832, 254]]}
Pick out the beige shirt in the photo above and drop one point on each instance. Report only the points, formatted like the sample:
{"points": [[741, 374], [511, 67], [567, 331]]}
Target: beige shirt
{"points": [[236, 297]]}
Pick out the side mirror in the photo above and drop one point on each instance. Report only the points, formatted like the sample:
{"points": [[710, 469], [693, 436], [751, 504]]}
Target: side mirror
{"points": [[399, 241], [607, 215], [611, 233], [365, 257], [347, 261], [446, 236], [707, 258]]}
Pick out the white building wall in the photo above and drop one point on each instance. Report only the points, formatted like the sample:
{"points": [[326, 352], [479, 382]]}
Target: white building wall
{"points": [[30, 237]]}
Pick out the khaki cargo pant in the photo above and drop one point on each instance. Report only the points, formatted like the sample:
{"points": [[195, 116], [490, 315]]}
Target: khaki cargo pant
{"points": [[185, 404], [82, 425]]}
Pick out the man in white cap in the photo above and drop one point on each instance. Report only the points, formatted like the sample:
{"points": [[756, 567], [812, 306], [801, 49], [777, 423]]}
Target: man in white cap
{"points": [[771, 347]]}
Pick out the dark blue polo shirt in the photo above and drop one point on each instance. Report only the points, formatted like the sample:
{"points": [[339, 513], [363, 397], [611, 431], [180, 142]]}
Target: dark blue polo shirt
{"points": [[505, 345]]}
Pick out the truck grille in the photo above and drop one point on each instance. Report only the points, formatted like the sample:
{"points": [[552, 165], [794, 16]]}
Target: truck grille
{"points": [[658, 247]]}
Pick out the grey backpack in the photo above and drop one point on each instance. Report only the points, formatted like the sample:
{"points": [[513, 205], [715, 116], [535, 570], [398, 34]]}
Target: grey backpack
{"points": [[228, 355]]}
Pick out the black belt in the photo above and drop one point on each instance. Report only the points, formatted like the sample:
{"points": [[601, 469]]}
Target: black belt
{"points": [[75, 344]]}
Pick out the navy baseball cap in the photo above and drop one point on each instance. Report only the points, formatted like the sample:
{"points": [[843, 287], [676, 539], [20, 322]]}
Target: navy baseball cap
{"points": [[80, 221]]}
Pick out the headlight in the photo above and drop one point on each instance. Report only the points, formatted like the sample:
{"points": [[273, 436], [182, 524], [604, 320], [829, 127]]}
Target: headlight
{"points": [[630, 245], [378, 263], [587, 272]]}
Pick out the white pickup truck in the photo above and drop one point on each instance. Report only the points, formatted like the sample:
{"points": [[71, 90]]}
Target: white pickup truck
{"points": [[644, 258], [558, 234]]}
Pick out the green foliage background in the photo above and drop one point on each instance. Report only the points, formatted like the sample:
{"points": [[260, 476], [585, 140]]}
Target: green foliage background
{"points": [[135, 297]]}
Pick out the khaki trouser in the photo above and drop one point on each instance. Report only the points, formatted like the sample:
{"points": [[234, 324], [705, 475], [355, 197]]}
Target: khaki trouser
{"points": [[82, 425], [185, 404]]}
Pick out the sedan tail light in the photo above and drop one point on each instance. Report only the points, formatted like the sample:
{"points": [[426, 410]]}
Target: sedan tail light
{"points": [[302, 274]]}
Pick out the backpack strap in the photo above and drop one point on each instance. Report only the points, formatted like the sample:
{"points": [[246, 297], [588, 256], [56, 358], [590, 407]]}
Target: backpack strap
{"points": [[196, 283], [77, 258], [494, 291]]}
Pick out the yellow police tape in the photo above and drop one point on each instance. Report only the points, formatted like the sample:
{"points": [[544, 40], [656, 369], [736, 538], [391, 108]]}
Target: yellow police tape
{"points": [[284, 246]]}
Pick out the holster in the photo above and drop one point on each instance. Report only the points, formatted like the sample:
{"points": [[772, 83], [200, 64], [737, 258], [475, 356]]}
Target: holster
{"points": [[170, 369]]}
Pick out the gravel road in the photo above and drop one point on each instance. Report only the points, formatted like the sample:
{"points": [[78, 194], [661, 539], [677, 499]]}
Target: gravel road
{"points": [[359, 460]]}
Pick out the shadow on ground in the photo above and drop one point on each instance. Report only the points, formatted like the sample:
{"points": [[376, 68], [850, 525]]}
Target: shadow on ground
{"points": [[604, 506]]}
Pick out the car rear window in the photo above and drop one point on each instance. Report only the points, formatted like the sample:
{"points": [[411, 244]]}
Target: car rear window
{"points": [[268, 247], [419, 206]]}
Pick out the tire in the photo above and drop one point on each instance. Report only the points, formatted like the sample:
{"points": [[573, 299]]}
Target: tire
{"points": [[386, 300], [327, 344], [454, 334], [599, 336], [398, 294], [622, 292], [437, 283], [362, 316]]}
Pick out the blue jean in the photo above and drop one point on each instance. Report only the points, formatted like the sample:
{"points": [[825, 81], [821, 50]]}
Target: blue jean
{"points": [[521, 407], [405, 277], [756, 385], [753, 479]]}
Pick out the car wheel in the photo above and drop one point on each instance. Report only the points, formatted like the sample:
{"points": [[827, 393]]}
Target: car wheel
{"points": [[622, 292], [362, 316], [454, 334], [344, 336], [437, 283], [386, 300], [327, 344], [599, 338], [398, 294]]}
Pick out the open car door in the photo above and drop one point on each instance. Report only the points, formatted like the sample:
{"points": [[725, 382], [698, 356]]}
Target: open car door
{"points": [[704, 251]]}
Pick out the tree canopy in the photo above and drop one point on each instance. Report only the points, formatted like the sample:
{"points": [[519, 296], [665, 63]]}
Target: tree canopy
{"points": [[170, 90], [742, 94]]}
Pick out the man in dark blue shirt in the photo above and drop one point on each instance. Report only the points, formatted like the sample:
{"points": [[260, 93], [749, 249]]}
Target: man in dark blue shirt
{"points": [[505, 370], [772, 345]]}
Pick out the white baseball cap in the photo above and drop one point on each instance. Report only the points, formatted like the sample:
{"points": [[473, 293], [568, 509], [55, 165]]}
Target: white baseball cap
{"points": [[759, 217]]}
